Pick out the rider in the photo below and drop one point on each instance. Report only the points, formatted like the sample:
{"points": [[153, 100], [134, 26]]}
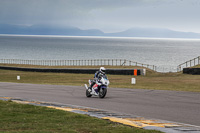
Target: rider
{"points": [[97, 75]]}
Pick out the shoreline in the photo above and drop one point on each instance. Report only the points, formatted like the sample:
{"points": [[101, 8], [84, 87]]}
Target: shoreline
{"points": [[111, 37]]}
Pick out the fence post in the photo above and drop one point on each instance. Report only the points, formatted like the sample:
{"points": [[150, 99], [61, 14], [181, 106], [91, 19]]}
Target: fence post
{"points": [[198, 60]]}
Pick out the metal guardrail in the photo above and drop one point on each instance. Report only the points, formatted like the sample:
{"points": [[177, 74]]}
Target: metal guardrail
{"points": [[190, 63], [94, 62]]}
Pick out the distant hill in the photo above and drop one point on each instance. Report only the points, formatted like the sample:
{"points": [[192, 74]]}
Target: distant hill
{"points": [[154, 33], [74, 31], [47, 30]]}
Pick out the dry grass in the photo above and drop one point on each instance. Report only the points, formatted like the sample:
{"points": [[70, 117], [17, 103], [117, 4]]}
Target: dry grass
{"points": [[197, 66], [153, 80]]}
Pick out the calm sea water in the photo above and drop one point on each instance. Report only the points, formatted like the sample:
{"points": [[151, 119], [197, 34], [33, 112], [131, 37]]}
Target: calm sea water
{"points": [[166, 54]]}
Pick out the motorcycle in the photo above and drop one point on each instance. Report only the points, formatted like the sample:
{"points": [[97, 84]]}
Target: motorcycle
{"points": [[99, 88]]}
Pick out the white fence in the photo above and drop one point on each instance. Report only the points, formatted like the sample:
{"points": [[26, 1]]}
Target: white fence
{"points": [[190, 63], [94, 62]]}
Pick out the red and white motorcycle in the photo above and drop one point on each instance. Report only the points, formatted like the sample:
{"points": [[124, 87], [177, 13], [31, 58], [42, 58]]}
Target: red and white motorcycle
{"points": [[99, 88]]}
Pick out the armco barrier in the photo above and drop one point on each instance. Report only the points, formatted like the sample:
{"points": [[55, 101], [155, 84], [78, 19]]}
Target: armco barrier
{"points": [[82, 71], [194, 71]]}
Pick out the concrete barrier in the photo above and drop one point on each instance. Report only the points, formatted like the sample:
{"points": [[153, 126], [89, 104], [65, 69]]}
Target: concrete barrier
{"points": [[194, 71], [73, 70]]}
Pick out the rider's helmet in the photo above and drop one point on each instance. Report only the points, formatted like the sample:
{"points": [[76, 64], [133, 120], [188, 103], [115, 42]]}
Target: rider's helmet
{"points": [[102, 70]]}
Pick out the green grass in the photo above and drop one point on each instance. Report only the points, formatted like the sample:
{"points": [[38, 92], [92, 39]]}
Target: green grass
{"points": [[20, 118]]}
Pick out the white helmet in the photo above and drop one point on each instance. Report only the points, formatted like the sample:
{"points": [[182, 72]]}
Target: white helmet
{"points": [[102, 70]]}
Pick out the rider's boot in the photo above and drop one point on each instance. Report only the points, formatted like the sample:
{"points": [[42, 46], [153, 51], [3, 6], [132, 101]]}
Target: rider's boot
{"points": [[89, 89]]}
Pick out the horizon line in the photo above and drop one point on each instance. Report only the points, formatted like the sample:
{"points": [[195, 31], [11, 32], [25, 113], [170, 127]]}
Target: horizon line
{"points": [[163, 38]]}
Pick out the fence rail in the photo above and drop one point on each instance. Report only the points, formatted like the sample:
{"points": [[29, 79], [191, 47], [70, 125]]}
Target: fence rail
{"points": [[94, 62], [190, 63]]}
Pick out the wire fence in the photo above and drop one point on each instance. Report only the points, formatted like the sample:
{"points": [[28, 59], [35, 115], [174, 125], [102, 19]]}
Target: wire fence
{"points": [[93, 62], [190, 63]]}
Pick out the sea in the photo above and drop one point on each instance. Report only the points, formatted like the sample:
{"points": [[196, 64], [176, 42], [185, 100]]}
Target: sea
{"points": [[164, 53]]}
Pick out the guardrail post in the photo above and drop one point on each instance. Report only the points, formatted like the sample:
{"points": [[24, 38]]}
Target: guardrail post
{"points": [[198, 60]]}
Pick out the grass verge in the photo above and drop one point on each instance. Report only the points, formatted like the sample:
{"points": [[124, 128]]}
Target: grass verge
{"points": [[18, 118], [197, 66], [153, 80]]}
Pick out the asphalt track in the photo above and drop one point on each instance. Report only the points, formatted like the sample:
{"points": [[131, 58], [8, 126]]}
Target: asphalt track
{"points": [[182, 107]]}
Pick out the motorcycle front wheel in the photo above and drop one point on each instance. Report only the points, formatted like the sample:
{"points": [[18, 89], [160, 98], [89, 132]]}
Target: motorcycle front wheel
{"points": [[102, 92]]}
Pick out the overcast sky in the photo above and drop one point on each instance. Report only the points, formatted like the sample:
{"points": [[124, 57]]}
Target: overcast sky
{"points": [[106, 15]]}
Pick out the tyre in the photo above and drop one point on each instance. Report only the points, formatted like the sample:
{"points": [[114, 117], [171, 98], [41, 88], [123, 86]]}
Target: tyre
{"points": [[102, 92], [88, 94]]}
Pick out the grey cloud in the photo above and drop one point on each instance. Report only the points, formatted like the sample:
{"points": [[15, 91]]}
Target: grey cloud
{"points": [[103, 14]]}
